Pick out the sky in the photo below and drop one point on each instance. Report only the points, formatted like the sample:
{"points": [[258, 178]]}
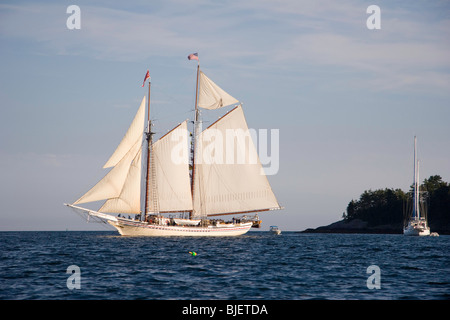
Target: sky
{"points": [[347, 100]]}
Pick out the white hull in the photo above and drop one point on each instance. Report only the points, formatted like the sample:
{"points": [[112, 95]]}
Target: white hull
{"points": [[416, 229], [275, 230], [142, 229], [411, 231]]}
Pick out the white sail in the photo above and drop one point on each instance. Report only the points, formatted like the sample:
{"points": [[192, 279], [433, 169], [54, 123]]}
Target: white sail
{"points": [[228, 176], [119, 180], [112, 184], [134, 131], [129, 200], [169, 185], [211, 96]]}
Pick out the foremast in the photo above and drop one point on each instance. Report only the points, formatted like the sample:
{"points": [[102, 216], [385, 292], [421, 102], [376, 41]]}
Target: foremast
{"points": [[149, 176]]}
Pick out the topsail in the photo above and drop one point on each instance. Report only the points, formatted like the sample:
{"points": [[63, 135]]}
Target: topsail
{"points": [[211, 96], [133, 133]]}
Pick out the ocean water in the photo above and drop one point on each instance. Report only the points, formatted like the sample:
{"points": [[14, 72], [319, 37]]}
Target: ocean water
{"points": [[258, 265]]}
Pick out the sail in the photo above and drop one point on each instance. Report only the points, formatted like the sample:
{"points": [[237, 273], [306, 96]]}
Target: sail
{"points": [[169, 183], [112, 184], [119, 184], [228, 176], [129, 200], [211, 96], [134, 131]]}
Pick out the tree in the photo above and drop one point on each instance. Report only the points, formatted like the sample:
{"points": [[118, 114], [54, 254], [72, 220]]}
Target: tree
{"points": [[433, 183], [385, 206], [378, 207]]}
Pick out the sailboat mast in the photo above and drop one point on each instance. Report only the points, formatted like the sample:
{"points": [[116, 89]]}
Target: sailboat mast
{"points": [[196, 116], [149, 134], [418, 193], [415, 213], [196, 94]]}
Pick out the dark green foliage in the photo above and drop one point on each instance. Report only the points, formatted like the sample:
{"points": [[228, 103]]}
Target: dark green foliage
{"points": [[383, 207], [438, 201]]}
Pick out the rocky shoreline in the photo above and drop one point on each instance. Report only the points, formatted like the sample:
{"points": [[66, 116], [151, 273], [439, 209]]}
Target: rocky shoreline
{"points": [[359, 226]]}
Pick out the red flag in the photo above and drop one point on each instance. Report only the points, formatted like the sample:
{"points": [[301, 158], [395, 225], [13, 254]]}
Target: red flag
{"points": [[147, 75], [193, 56]]}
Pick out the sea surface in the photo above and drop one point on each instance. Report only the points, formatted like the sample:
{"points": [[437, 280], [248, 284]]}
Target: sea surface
{"points": [[258, 265]]}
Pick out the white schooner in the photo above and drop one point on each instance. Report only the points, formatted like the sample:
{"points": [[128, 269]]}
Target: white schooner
{"points": [[172, 189]]}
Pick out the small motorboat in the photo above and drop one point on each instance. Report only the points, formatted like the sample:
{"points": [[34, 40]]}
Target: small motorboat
{"points": [[275, 230]]}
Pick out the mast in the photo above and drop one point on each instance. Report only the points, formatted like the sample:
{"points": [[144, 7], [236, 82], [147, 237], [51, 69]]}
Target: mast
{"points": [[149, 134], [196, 116], [418, 193], [415, 195]]}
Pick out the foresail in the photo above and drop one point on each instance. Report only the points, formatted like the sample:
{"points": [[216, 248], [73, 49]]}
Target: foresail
{"points": [[211, 96], [112, 184], [121, 184], [129, 200], [228, 174], [134, 131], [169, 183]]}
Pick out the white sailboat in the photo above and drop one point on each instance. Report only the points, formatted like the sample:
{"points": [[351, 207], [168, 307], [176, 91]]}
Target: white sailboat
{"points": [[416, 224], [157, 180]]}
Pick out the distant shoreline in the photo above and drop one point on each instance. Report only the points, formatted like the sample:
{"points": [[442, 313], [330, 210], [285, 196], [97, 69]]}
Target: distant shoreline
{"points": [[359, 226]]}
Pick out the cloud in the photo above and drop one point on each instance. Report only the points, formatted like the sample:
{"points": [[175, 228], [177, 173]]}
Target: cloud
{"points": [[105, 33], [409, 52], [384, 64]]}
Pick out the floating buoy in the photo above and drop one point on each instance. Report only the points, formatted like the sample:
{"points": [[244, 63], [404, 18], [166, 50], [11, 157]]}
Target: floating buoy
{"points": [[193, 253]]}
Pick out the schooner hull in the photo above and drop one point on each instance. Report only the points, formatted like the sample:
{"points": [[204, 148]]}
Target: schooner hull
{"points": [[139, 229]]}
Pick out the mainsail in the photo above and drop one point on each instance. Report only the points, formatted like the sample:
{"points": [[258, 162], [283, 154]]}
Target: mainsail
{"points": [[229, 178]]}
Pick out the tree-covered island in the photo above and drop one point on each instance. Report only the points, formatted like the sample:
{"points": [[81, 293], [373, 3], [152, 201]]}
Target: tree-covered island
{"points": [[385, 210]]}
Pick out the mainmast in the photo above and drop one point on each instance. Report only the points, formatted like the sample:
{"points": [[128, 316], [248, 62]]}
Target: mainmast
{"points": [[149, 135], [195, 135]]}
